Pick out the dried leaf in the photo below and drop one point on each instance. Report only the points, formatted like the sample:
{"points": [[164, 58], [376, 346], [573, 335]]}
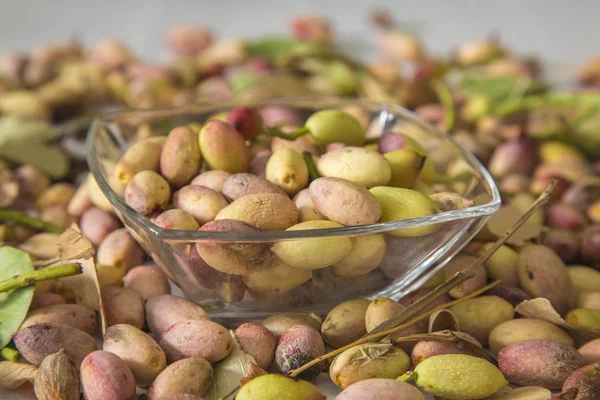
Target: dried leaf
{"points": [[73, 245], [373, 351], [442, 320], [541, 308], [13, 375], [85, 286], [227, 373], [252, 371], [23, 141], [14, 304], [47, 158]]}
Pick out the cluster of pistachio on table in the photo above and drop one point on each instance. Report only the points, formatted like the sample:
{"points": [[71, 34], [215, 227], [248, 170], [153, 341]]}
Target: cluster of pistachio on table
{"points": [[491, 101]]}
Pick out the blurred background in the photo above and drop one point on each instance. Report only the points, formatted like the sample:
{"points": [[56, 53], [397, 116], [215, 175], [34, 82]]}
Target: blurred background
{"points": [[564, 32]]}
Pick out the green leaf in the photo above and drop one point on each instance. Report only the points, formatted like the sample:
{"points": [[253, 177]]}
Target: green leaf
{"points": [[276, 47], [48, 158], [17, 129], [23, 141], [227, 373], [14, 305], [243, 80], [499, 88], [271, 46]]}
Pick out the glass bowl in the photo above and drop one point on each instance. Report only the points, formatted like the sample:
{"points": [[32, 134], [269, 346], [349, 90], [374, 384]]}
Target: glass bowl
{"points": [[408, 261]]}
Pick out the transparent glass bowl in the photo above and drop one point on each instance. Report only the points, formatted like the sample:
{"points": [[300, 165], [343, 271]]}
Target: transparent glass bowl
{"points": [[408, 261]]}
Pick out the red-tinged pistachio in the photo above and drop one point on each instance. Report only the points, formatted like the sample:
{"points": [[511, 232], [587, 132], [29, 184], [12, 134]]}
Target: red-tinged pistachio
{"points": [[564, 216], [478, 52], [258, 165], [180, 158], [546, 363], [590, 246], [147, 192], [201, 202], [105, 376], [512, 294], [516, 156], [259, 66], [281, 116], [96, 224], [211, 179], [543, 273], [236, 258], [399, 46], [583, 384], [223, 147], [297, 346], [391, 141], [313, 28], [246, 120], [111, 54], [12, 65], [215, 87], [514, 183], [564, 243]]}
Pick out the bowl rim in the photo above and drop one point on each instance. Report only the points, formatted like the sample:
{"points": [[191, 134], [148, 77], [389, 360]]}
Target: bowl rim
{"points": [[119, 204]]}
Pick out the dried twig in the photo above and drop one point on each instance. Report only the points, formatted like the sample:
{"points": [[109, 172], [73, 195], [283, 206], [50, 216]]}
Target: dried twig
{"points": [[467, 273], [372, 337], [409, 315], [21, 218]]}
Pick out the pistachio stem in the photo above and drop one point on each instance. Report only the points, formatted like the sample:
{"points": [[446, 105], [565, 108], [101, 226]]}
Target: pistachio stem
{"points": [[310, 164], [276, 131], [24, 280], [447, 102], [371, 337], [372, 140], [10, 354], [21, 218], [407, 377], [233, 392], [467, 273]]}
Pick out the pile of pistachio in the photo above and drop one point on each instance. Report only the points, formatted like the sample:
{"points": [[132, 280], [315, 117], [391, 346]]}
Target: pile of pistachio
{"points": [[536, 335]]}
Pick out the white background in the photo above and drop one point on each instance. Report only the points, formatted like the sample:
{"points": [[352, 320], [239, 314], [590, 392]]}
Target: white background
{"points": [[565, 31]]}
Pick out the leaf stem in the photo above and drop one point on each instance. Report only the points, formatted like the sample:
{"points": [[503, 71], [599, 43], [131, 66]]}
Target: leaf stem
{"points": [[276, 131], [372, 140], [371, 337], [10, 354], [467, 273], [445, 97], [409, 316], [21, 218], [310, 164], [24, 280], [407, 377]]}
